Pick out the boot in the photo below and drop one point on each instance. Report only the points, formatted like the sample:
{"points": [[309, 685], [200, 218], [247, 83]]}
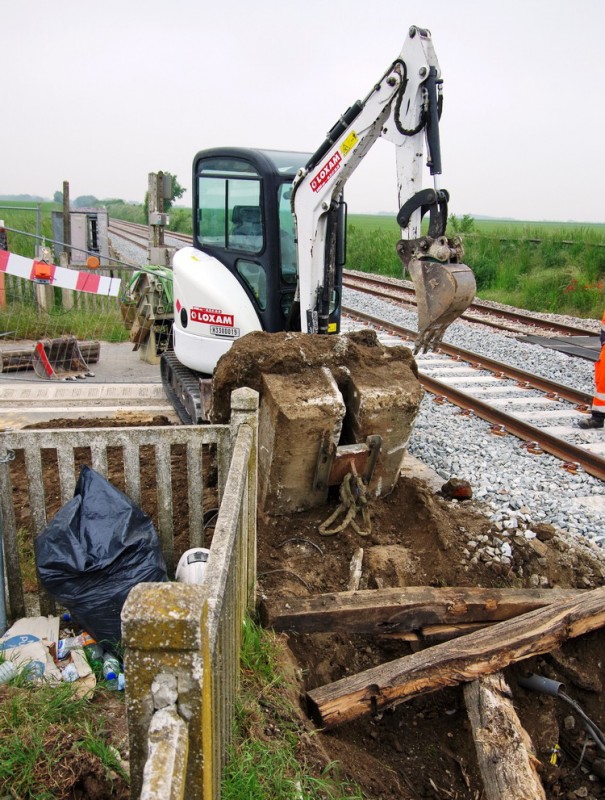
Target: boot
{"points": [[594, 421]]}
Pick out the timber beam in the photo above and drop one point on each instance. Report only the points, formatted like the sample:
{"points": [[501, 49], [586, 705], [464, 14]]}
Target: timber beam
{"points": [[407, 611], [461, 660]]}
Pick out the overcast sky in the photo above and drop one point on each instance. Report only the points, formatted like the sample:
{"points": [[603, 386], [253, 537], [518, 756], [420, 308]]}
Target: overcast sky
{"points": [[101, 94]]}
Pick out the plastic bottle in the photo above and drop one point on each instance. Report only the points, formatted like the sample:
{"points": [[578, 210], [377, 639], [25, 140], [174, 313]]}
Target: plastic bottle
{"points": [[111, 671], [65, 645], [7, 671], [94, 651], [70, 673]]}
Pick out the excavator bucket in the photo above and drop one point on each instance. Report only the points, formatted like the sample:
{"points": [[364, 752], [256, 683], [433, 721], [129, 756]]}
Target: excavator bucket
{"points": [[444, 286], [60, 359]]}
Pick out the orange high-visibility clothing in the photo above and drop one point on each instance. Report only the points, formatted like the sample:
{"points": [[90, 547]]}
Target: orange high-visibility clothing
{"points": [[598, 401]]}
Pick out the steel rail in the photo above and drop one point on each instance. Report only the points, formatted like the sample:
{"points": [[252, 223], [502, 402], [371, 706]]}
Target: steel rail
{"points": [[528, 379], [590, 462], [351, 281]]}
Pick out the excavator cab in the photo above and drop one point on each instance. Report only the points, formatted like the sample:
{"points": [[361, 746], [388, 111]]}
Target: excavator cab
{"points": [[243, 218]]}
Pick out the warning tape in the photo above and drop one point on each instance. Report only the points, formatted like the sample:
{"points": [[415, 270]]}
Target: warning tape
{"points": [[33, 270]]}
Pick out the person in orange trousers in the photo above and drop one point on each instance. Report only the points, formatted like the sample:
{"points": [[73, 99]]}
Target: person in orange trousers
{"points": [[597, 412]]}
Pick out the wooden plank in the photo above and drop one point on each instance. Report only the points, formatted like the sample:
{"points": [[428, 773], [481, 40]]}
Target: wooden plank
{"points": [[464, 659], [402, 610], [504, 750]]}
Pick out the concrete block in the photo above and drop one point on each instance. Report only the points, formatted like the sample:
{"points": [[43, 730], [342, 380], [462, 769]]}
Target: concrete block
{"points": [[382, 401], [296, 413]]}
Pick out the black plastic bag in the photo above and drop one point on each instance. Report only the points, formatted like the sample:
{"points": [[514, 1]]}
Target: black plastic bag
{"points": [[93, 551]]}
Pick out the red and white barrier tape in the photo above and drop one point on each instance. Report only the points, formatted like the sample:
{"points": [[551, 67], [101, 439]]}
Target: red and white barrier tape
{"points": [[28, 268]]}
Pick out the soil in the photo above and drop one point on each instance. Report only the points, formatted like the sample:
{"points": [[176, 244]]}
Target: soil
{"points": [[422, 748]]}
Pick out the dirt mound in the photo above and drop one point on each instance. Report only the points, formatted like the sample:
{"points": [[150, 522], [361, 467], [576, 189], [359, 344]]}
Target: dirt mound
{"points": [[424, 747], [288, 353]]}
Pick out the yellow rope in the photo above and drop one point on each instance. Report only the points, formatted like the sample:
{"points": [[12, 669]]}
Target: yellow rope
{"points": [[353, 500]]}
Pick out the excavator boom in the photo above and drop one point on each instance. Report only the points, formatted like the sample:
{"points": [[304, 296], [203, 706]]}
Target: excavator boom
{"points": [[403, 107]]}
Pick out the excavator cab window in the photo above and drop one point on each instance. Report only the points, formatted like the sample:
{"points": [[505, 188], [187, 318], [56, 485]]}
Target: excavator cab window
{"points": [[255, 277], [287, 243], [243, 218], [229, 205]]}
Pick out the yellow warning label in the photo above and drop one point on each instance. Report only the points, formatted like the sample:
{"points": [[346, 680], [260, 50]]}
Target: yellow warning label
{"points": [[349, 143], [332, 327]]}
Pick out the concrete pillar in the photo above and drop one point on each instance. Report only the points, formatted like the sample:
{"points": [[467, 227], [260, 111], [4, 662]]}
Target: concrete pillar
{"points": [[162, 632], [382, 402], [290, 437], [244, 411]]}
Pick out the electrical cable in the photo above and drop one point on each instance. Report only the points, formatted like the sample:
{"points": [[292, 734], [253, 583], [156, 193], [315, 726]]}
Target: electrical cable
{"points": [[542, 685]]}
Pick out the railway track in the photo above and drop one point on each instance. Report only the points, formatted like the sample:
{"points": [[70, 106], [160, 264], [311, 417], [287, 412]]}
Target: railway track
{"points": [[541, 413], [479, 312]]}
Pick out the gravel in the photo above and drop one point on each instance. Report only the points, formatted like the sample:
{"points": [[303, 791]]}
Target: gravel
{"points": [[515, 486]]}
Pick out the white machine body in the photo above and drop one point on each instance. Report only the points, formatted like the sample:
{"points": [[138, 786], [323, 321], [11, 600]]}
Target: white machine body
{"points": [[211, 309]]}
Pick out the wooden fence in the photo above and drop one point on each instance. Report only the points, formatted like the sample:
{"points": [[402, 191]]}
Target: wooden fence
{"points": [[177, 635]]}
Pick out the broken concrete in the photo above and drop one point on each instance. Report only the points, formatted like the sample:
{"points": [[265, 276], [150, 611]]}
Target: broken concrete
{"points": [[316, 393], [295, 416]]}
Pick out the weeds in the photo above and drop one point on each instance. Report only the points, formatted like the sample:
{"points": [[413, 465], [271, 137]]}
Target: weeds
{"points": [[25, 321], [50, 739], [552, 268], [266, 762]]}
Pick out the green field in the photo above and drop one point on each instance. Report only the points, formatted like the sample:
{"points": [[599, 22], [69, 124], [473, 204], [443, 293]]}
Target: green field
{"points": [[20, 217], [539, 266]]}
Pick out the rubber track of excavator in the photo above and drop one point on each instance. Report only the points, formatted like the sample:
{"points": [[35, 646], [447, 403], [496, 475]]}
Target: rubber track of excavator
{"points": [[182, 388]]}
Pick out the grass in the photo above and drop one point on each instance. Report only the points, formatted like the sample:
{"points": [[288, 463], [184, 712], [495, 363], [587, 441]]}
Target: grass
{"points": [[550, 267], [27, 560], [25, 321], [49, 737], [20, 217], [266, 761]]}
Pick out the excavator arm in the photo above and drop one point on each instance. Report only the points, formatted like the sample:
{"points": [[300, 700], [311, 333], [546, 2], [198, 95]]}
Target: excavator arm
{"points": [[404, 108]]}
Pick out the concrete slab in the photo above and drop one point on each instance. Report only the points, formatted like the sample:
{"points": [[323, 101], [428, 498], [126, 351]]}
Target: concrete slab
{"points": [[592, 502], [382, 402], [563, 413], [521, 401]]}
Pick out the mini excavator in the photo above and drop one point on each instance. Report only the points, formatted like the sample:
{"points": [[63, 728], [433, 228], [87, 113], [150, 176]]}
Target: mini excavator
{"points": [[269, 230]]}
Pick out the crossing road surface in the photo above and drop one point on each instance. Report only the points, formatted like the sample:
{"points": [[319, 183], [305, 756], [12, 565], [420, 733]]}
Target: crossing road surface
{"points": [[123, 385]]}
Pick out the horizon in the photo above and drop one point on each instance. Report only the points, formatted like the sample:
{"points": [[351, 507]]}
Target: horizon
{"points": [[24, 198]]}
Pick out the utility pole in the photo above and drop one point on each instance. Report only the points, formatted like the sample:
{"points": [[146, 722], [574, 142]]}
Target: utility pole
{"points": [[160, 188], [66, 223]]}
